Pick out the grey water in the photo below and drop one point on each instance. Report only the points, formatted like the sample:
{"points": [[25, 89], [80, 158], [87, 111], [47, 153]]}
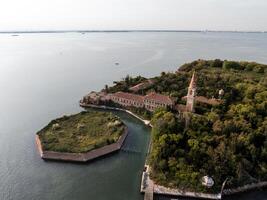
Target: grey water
{"points": [[43, 76]]}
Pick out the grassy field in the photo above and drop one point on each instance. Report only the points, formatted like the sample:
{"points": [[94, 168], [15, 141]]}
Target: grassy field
{"points": [[81, 132]]}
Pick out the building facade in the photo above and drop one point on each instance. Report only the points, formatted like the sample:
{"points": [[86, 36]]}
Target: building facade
{"points": [[153, 101], [127, 99], [149, 102]]}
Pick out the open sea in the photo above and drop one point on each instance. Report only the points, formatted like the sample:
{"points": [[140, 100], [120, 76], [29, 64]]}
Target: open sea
{"points": [[43, 76]]}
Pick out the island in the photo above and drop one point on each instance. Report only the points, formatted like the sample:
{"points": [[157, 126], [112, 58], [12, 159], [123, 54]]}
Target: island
{"points": [[209, 126], [81, 137]]}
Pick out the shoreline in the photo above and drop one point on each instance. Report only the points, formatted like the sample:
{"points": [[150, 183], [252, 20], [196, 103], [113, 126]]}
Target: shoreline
{"points": [[81, 157], [147, 183], [146, 122], [245, 188], [148, 186]]}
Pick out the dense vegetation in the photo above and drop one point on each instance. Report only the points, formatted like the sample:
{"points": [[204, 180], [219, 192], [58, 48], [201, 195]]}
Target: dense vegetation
{"points": [[81, 132], [125, 84], [225, 141], [175, 84]]}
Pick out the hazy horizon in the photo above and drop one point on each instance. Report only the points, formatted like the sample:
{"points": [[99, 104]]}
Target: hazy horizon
{"points": [[53, 15], [126, 30]]}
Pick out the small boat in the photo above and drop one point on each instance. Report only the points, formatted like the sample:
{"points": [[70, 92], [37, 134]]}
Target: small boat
{"points": [[14, 35], [117, 63]]}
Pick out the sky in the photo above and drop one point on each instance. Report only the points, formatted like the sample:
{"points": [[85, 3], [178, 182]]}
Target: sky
{"points": [[231, 15]]}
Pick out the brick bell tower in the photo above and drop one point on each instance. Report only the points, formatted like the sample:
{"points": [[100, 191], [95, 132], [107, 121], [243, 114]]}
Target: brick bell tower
{"points": [[191, 94]]}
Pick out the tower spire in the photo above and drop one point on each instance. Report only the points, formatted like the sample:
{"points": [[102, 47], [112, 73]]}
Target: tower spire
{"points": [[193, 81], [191, 94]]}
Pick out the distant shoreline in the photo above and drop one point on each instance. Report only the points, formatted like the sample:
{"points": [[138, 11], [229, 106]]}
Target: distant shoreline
{"points": [[128, 31]]}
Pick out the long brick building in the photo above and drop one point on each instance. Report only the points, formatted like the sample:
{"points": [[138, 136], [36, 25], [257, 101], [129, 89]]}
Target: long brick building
{"points": [[149, 102], [153, 100], [127, 99]]}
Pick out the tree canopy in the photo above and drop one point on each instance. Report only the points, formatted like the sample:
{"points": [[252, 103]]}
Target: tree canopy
{"points": [[224, 141]]}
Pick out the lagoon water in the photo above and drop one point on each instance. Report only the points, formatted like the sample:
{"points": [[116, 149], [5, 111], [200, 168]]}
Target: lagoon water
{"points": [[43, 76]]}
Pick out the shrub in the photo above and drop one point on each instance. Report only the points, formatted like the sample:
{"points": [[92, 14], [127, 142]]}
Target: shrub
{"points": [[217, 63], [259, 69], [232, 65]]}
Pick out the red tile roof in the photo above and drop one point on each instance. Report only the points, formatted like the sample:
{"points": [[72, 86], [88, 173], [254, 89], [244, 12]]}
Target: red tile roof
{"points": [[142, 85], [159, 98], [180, 107], [202, 99], [138, 87], [212, 101], [129, 96]]}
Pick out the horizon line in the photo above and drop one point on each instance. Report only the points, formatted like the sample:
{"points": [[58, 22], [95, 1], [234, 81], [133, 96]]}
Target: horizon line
{"points": [[126, 30]]}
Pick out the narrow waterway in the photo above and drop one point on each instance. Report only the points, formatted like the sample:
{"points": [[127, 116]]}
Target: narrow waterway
{"points": [[115, 177]]}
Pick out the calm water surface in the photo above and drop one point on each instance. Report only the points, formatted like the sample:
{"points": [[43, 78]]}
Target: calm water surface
{"points": [[42, 76]]}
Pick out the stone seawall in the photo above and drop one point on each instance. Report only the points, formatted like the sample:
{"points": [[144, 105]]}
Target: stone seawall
{"points": [[157, 189], [146, 122], [148, 184], [245, 188], [81, 157], [175, 192]]}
